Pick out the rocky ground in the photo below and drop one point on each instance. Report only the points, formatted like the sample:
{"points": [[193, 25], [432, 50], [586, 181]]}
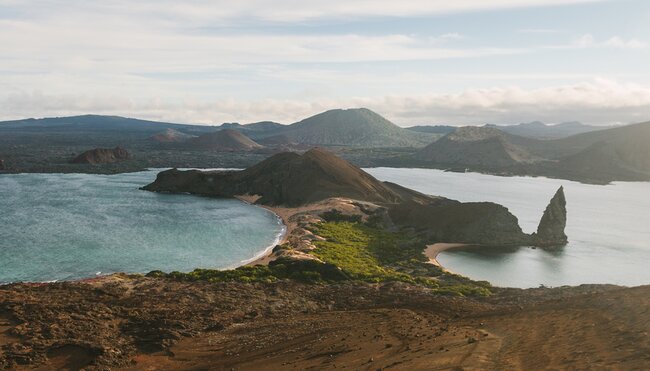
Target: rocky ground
{"points": [[146, 323]]}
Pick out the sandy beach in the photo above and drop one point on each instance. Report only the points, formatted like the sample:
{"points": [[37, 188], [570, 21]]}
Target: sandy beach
{"points": [[432, 251], [291, 216], [286, 214]]}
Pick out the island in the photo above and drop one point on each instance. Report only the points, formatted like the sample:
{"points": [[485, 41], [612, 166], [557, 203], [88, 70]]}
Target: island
{"points": [[348, 286]]}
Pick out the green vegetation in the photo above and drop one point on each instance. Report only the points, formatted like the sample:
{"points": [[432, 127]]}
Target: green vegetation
{"points": [[352, 251], [370, 254], [337, 216], [303, 271], [347, 247]]}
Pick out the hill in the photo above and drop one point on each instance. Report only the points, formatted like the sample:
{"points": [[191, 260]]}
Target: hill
{"points": [[170, 136], [294, 180], [102, 156], [540, 130], [351, 127], [226, 140], [478, 146], [256, 130], [599, 156], [615, 154], [359, 127], [97, 123], [286, 178]]}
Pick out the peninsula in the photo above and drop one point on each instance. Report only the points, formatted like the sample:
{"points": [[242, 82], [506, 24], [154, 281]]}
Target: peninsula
{"points": [[349, 286]]}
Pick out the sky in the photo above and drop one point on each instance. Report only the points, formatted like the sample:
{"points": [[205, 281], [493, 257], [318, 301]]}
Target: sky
{"points": [[416, 62]]}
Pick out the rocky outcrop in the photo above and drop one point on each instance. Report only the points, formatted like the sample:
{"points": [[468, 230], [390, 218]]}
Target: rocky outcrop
{"points": [[102, 156], [2, 165], [287, 179], [550, 231], [290, 179], [481, 223]]}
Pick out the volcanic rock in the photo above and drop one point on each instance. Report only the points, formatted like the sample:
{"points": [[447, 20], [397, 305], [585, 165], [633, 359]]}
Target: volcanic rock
{"points": [[550, 231], [286, 179], [292, 180], [102, 156]]}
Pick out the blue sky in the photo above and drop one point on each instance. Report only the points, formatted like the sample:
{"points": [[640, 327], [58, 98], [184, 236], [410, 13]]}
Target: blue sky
{"points": [[414, 61]]}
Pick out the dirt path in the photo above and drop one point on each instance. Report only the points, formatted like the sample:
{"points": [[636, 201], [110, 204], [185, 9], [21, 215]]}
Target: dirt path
{"points": [[597, 331], [154, 324]]}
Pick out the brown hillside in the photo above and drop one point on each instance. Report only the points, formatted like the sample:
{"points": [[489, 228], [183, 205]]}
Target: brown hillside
{"points": [[170, 136], [102, 156], [286, 178], [290, 179], [226, 140]]}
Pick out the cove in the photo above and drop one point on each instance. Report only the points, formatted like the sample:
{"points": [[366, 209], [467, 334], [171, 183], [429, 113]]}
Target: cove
{"points": [[73, 226]]}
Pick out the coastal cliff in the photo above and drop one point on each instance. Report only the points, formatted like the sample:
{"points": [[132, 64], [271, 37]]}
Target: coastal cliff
{"points": [[292, 180]]}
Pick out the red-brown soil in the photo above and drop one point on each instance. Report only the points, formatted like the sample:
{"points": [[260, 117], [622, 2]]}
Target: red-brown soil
{"points": [[157, 324]]}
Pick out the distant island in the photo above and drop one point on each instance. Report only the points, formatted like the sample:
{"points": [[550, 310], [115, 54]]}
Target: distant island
{"points": [[573, 151]]}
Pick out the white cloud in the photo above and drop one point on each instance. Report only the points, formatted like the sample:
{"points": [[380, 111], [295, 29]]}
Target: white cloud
{"points": [[588, 41], [598, 102], [210, 61], [539, 30], [207, 11]]}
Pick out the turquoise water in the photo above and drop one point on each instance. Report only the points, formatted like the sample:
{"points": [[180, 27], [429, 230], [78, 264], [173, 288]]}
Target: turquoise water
{"points": [[608, 228], [70, 226]]}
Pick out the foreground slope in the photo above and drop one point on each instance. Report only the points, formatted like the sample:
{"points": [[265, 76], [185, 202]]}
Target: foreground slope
{"points": [[143, 323]]}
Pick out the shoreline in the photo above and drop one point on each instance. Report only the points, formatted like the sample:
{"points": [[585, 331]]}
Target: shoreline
{"points": [[262, 258], [283, 215], [432, 251]]}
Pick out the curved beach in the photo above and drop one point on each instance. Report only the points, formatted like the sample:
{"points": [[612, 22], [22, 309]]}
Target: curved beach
{"points": [[432, 251]]}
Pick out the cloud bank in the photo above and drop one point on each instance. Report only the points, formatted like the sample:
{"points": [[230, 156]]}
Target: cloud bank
{"points": [[208, 62], [596, 102]]}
